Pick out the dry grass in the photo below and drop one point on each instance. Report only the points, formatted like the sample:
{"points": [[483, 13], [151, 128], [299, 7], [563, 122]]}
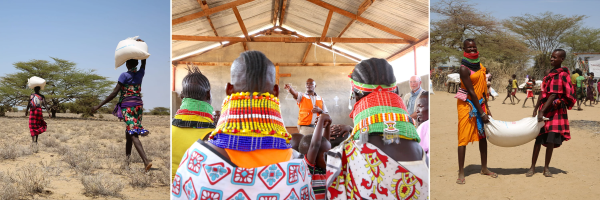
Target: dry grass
{"points": [[101, 185], [82, 159]]}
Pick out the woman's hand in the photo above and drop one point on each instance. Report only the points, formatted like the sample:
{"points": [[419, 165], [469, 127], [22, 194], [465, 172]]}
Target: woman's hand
{"points": [[534, 112], [139, 40], [485, 118], [540, 117]]}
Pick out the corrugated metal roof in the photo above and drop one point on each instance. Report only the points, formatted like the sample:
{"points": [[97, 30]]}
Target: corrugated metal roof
{"points": [[410, 17]]}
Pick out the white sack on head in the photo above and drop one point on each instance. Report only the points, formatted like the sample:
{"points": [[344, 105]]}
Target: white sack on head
{"points": [[512, 134], [35, 81], [130, 49]]}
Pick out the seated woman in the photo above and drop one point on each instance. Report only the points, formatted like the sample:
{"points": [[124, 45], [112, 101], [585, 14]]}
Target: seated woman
{"points": [[248, 155], [194, 119], [383, 151]]}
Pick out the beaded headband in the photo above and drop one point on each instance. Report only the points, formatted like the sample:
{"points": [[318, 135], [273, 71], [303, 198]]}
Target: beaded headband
{"points": [[371, 88], [251, 122], [383, 112]]}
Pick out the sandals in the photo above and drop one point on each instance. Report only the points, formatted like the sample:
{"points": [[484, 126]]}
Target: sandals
{"points": [[491, 174], [529, 173], [148, 166], [547, 174], [460, 181]]}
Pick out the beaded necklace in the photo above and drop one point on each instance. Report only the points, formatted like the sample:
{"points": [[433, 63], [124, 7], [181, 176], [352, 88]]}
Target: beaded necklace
{"points": [[371, 88], [251, 122], [194, 113], [383, 112]]}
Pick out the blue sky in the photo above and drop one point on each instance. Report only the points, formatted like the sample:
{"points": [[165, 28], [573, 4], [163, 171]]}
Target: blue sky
{"points": [[87, 33], [508, 8]]}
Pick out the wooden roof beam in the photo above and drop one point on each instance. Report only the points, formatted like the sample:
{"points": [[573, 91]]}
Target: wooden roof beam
{"points": [[363, 20], [326, 26], [205, 13], [276, 64], [282, 15], [276, 8], [241, 22], [338, 52], [423, 42], [289, 39], [204, 6], [362, 8], [306, 52]]}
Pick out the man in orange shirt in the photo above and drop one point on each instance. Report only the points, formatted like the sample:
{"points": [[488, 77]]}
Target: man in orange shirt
{"points": [[311, 106]]}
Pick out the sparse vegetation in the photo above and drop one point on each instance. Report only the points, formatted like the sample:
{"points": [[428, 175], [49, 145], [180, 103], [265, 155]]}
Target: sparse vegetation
{"points": [[101, 184]]}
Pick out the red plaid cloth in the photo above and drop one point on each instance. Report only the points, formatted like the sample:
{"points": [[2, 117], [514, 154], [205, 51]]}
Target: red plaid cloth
{"points": [[37, 125], [558, 82]]}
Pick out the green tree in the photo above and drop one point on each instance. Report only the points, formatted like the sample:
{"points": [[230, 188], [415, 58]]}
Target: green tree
{"points": [[159, 111], [64, 83], [581, 40], [543, 33]]}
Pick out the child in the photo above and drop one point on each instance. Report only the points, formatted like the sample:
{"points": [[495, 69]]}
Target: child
{"points": [[508, 92], [423, 118], [314, 147], [37, 125], [130, 107], [529, 86], [555, 99], [515, 88]]}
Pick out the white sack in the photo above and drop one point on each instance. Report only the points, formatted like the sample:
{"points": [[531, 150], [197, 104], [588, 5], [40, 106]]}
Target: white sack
{"points": [[453, 78], [512, 134], [130, 49], [493, 92], [35, 81]]}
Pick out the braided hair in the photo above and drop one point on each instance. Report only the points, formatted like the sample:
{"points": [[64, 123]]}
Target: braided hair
{"points": [[253, 72], [374, 71], [195, 85]]}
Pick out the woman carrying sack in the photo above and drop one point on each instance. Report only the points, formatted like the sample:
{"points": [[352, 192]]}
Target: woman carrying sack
{"points": [[130, 107], [37, 125]]}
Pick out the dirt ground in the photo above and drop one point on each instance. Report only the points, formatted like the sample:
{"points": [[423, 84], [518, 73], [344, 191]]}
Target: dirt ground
{"points": [[573, 165], [75, 152]]}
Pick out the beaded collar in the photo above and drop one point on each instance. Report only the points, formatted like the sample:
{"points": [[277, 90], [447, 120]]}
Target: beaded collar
{"points": [[383, 112], [194, 114], [251, 122]]}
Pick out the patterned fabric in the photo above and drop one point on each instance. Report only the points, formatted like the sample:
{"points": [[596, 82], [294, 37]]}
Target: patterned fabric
{"points": [[319, 179], [130, 90], [202, 174], [558, 82], [471, 61], [383, 112], [590, 89], [37, 125], [467, 125], [35, 100], [365, 172], [371, 88], [251, 122], [133, 119]]}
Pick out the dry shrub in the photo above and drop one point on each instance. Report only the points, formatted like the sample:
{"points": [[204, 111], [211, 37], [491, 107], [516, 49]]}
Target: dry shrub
{"points": [[80, 161], [9, 151], [8, 188], [62, 150], [34, 148], [32, 179], [52, 168], [50, 142], [64, 138], [140, 179], [101, 184], [122, 167]]}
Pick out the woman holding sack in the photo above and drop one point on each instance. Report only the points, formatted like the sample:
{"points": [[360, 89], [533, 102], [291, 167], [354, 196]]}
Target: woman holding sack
{"points": [[37, 125], [130, 106], [471, 113]]}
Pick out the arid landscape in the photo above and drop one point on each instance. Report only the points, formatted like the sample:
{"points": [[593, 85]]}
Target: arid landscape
{"points": [[82, 159]]}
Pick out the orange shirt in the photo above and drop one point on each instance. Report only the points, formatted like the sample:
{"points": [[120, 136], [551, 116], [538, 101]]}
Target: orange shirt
{"points": [[259, 158], [305, 102]]}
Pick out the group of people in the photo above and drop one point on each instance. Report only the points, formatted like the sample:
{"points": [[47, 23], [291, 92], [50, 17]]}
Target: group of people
{"points": [[557, 96], [249, 154], [585, 88]]}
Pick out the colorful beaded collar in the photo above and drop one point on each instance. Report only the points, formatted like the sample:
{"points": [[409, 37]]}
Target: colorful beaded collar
{"points": [[383, 112], [194, 113], [251, 122]]}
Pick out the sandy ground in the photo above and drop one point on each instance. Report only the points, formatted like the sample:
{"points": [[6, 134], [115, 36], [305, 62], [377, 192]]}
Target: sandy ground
{"points": [[102, 144], [574, 165]]}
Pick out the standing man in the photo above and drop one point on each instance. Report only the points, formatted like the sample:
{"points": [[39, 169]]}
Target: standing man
{"points": [[311, 106], [410, 99]]}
